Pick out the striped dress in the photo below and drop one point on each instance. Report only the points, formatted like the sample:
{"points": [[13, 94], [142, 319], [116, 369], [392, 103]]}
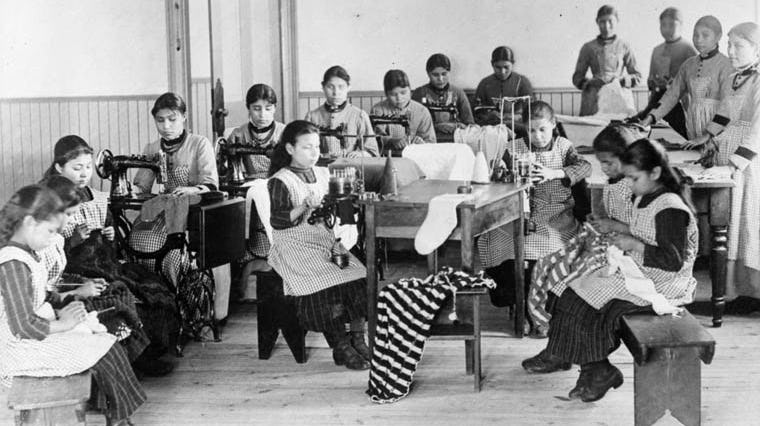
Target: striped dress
{"points": [[27, 348]]}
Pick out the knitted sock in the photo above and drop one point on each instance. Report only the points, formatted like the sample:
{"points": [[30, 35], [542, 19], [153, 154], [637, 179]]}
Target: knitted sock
{"points": [[441, 219]]}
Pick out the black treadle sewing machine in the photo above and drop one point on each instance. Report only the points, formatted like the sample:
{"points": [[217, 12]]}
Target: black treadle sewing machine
{"points": [[434, 107], [231, 163], [115, 167], [400, 120]]}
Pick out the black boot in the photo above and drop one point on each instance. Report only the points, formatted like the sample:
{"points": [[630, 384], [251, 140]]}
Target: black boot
{"points": [[345, 354], [544, 363], [357, 341], [582, 383], [604, 376]]}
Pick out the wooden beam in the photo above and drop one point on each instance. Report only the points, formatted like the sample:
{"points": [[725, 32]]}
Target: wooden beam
{"points": [[178, 52], [289, 54]]}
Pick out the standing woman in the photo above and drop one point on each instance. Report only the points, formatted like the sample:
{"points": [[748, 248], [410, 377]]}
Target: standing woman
{"points": [[733, 139], [190, 169], [608, 57]]}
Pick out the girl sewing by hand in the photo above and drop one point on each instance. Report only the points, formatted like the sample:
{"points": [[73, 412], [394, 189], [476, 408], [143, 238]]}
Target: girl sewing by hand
{"points": [[398, 103], [35, 340], [327, 296], [586, 323]]}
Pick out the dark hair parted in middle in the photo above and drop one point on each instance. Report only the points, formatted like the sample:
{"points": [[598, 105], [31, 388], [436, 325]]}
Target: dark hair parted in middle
{"points": [[259, 92], [291, 133], [170, 101], [438, 60], [502, 53], [394, 79], [538, 109], [336, 71], [645, 155], [66, 149]]}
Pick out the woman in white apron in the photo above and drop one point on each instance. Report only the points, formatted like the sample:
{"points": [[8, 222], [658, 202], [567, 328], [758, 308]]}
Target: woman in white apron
{"points": [[584, 328], [34, 339], [327, 295], [699, 82], [734, 140]]}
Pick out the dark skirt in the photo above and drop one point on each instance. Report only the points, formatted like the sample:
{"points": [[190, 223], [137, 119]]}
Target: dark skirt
{"points": [[117, 392], [580, 334], [330, 309]]}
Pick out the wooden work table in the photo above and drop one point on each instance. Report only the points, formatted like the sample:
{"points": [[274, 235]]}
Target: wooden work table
{"points": [[493, 206]]}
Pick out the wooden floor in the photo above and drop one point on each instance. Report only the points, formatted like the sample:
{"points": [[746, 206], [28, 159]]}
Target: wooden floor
{"points": [[226, 383]]}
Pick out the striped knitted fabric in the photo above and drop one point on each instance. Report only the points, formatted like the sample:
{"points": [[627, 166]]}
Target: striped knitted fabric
{"points": [[405, 313]]}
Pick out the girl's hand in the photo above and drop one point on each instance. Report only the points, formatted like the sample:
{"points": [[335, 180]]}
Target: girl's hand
{"points": [[604, 225], [416, 140], [93, 288], [358, 153], [109, 233], [694, 143], [72, 314], [447, 128], [647, 121], [541, 174], [186, 190], [627, 243], [313, 201], [83, 231]]}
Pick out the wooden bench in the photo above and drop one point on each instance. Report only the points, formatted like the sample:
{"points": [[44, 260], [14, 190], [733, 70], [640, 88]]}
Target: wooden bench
{"points": [[466, 328], [50, 400], [276, 312], [666, 372]]}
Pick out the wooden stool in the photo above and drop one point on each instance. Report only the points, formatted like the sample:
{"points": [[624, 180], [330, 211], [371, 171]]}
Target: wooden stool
{"points": [[445, 329], [666, 372], [276, 312], [50, 400]]}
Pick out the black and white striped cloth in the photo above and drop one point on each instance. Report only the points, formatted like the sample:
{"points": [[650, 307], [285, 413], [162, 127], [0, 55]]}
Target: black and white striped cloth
{"points": [[405, 313]]}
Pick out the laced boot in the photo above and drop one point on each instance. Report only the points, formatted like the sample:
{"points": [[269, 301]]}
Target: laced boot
{"points": [[360, 345], [345, 354]]}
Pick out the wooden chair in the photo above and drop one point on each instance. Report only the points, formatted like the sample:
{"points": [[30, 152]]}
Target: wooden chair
{"points": [[666, 372], [50, 401]]}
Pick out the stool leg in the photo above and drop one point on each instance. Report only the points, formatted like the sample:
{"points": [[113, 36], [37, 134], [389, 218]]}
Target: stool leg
{"points": [[266, 312], [670, 380]]}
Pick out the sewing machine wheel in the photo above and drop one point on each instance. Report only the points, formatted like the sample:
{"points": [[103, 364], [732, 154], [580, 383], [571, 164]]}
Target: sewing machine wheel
{"points": [[103, 163]]}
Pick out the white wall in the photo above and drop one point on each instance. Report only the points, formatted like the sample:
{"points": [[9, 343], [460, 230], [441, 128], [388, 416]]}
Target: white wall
{"points": [[369, 37], [52, 48]]}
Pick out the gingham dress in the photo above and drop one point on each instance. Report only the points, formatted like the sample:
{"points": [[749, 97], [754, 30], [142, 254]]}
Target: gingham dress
{"points": [[678, 287], [744, 227], [256, 166], [59, 354], [301, 254], [93, 213], [551, 209], [54, 259]]}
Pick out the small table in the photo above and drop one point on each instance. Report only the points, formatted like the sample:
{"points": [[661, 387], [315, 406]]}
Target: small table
{"points": [[709, 197], [494, 205]]}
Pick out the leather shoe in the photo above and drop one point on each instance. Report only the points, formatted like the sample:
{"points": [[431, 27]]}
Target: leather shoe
{"points": [[345, 354], [152, 367], [582, 383], [545, 363], [602, 379]]}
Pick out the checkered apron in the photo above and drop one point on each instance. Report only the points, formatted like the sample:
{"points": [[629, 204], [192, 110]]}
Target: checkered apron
{"points": [[54, 259], [301, 254], [256, 166], [93, 213], [616, 199], [59, 354], [744, 226], [678, 287], [701, 109], [551, 209]]}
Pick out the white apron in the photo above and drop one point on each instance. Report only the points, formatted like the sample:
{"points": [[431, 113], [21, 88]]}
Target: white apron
{"points": [[59, 354], [301, 254]]}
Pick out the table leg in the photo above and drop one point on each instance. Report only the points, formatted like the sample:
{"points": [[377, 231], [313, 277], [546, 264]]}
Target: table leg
{"points": [[371, 246], [468, 242], [518, 236], [720, 212]]}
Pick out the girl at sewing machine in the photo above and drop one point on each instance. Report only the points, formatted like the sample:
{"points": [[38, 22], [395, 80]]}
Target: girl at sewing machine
{"points": [[731, 140], [504, 82], [661, 246], [39, 340], [261, 130], [327, 295], [89, 253], [585, 252], [553, 165], [440, 93], [609, 58], [398, 103], [338, 113], [190, 170], [700, 79]]}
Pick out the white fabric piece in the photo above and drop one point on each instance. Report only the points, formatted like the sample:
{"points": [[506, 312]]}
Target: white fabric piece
{"points": [[481, 172], [637, 283], [491, 140], [440, 220], [615, 99], [259, 194], [447, 161]]}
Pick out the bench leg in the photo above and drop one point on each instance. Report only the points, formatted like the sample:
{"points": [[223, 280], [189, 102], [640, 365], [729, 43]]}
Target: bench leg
{"points": [[476, 342], [468, 356], [670, 380]]}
